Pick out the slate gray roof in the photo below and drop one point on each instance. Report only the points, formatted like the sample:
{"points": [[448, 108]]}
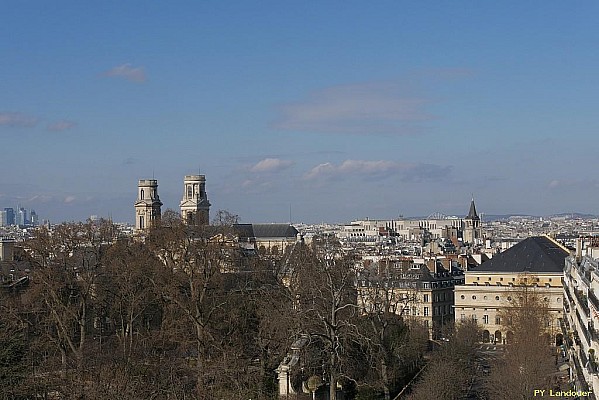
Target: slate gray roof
{"points": [[266, 230], [472, 212], [534, 254]]}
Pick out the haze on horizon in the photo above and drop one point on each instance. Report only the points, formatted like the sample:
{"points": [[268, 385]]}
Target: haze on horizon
{"points": [[335, 111]]}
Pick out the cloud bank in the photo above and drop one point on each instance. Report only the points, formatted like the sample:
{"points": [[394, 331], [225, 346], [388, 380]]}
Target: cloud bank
{"points": [[17, 119], [60, 126], [270, 165], [368, 108], [128, 72], [407, 172]]}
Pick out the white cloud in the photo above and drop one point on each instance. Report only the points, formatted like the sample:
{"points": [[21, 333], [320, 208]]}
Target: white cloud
{"points": [[554, 184], [126, 71], [368, 108], [69, 199], [17, 119], [60, 126], [407, 172], [271, 165]]}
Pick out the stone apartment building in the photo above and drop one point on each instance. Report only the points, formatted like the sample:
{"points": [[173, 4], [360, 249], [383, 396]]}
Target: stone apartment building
{"points": [[537, 262], [411, 289], [581, 311]]}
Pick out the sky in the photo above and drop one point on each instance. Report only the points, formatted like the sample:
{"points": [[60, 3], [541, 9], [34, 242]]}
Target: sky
{"points": [[305, 111]]}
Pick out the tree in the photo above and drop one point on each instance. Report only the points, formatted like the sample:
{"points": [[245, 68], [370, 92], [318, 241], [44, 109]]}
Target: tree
{"points": [[205, 309], [527, 362], [391, 344], [457, 356], [323, 284]]}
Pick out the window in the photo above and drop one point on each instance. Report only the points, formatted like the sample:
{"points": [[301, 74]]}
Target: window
{"points": [[496, 297], [473, 297], [141, 194], [497, 321], [485, 319], [501, 278], [426, 298], [426, 311], [189, 192]]}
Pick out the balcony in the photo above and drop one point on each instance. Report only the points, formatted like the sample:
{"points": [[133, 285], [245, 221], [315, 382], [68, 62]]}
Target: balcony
{"points": [[582, 301], [593, 299]]}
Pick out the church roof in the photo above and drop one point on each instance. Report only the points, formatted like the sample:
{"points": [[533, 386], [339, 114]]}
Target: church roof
{"points": [[534, 254], [266, 230], [472, 212]]}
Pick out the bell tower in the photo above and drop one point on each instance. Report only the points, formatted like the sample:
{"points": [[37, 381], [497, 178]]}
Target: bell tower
{"points": [[195, 207], [472, 228], [147, 206]]}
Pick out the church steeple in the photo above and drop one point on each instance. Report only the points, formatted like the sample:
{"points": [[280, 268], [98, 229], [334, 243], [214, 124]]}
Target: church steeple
{"points": [[472, 213]]}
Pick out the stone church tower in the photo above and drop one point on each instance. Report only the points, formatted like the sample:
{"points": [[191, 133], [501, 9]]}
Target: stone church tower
{"points": [[195, 207], [147, 206], [472, 229]]}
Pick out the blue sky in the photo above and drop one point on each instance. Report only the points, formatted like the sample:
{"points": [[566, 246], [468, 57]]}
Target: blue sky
{"points": [[328, 111]]}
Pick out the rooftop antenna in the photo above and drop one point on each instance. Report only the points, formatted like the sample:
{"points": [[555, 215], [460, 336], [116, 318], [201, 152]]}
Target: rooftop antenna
{"points": [[290, 220]]}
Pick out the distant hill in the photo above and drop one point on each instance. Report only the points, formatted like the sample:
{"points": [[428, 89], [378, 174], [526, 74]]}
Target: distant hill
{"points": [[504, 217]]}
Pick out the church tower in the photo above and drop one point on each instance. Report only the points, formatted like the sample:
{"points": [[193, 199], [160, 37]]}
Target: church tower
{"points": [[472, 228], [147, 206], [195, 207]]}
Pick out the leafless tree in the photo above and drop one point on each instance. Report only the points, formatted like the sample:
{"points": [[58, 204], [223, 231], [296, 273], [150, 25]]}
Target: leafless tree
{"points": [[527, 363], [323, 283]]}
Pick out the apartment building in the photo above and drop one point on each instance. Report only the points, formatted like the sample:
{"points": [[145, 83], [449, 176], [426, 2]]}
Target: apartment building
{"points": [[411, 289], [581, 322]]}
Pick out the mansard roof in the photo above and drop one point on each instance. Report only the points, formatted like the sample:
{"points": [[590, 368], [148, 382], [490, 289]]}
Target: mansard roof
{"points": [[538, 254]]}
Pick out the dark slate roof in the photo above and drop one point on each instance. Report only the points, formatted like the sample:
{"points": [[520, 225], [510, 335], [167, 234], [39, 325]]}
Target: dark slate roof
{"points": [[266, 230], [534, 254], [472, 212]]}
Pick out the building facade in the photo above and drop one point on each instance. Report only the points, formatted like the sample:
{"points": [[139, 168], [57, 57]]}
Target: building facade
{"points": [[536, 263], [411, 289], [581, 327]]}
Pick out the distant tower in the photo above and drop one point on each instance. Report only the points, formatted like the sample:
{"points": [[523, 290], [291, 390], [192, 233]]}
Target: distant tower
{"points": [[195, 207], [472, 228], [147, 206]]}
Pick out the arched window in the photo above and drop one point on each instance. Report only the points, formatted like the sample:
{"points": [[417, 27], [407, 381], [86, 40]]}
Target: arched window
{"points": [[141, 194]]}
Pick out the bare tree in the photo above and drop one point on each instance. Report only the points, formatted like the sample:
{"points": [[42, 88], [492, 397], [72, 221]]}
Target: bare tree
{"points": [[385, 334], [457, 356], [527, 363], [323, 283]]}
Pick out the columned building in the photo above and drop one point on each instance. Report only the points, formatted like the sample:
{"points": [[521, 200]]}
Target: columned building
{"points": [[195, 207], [147, 206]]}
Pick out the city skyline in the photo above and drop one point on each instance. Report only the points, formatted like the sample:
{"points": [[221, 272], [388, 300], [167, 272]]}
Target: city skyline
{"points": [[327, 112]]}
